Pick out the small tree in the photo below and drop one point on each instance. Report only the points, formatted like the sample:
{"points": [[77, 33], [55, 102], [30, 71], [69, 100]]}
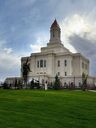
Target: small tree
{"points": [[5, 86], [84, 81], [19, 85], [57, 83]]}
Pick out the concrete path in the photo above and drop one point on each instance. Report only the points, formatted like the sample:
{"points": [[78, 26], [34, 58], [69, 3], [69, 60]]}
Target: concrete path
{"points": [[92, 90]]}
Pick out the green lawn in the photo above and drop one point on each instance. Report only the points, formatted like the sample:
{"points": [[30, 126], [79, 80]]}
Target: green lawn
{"points": [[47, 109]]}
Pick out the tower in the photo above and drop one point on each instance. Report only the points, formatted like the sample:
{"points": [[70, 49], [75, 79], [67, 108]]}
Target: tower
{"points": [[55, 33], [55, 45]]}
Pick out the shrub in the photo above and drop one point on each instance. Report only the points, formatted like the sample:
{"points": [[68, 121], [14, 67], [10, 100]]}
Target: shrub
{"points": [[5, 86]]}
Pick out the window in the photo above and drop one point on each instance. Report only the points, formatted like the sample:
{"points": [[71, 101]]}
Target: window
{"points": [[65, 73], [38, 64], [58, 73], [65, 63], [58, 63], [41, 63], [44, 63]]}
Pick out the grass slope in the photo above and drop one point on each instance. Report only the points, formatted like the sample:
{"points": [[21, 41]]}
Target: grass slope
{"points": [[50, 109]]}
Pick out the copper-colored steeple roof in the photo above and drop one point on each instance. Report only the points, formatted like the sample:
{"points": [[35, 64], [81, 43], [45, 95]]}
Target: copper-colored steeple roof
{"points": [[55, 24]]}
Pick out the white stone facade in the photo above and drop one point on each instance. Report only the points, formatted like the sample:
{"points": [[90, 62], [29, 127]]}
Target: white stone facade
{"points": [[56, 59]]}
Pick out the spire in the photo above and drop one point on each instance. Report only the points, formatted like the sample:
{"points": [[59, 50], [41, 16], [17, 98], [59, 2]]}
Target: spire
{"points": [[55, 24], [55, 32]]}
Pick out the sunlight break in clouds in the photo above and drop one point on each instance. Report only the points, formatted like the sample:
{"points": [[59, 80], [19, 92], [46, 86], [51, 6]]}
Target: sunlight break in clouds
{"points": [[78, 25]]}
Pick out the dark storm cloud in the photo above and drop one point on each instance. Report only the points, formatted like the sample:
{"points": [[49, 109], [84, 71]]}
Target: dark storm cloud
{"points": [[87, 48]]}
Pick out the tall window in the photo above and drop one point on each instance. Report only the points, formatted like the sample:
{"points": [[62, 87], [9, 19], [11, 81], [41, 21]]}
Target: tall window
{"points": [[41, 63], [65, 63], [44, 63], [58, 63], [65, 73], [38, 64]]}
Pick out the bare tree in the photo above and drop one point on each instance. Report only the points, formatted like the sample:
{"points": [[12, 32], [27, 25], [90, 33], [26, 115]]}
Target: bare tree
{"points": [[25, 71]]}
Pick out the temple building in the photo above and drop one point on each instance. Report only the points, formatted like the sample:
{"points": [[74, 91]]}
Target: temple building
{"points": [[55, 59]]}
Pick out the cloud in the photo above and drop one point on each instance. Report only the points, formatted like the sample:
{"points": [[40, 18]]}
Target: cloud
{"points": [[75, 24], [8, 50], [9, 61], [41, 39], [2, 43], [20, 3], [83, 25], [87, 48], [9, 65]]}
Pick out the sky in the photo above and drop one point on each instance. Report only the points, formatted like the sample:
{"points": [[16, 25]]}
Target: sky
{"points": [[25, 27]]}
